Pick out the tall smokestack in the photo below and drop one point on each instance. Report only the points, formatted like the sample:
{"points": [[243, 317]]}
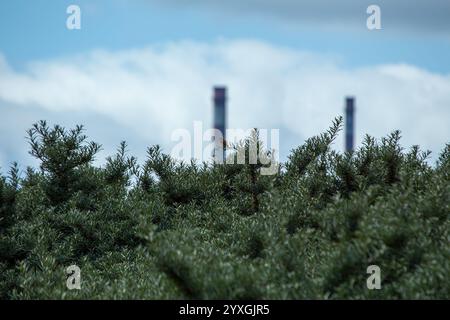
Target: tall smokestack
{"points": [[220, 101], [349, 123]]}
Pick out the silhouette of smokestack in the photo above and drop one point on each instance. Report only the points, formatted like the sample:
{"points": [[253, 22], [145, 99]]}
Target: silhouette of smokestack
{"points": [[220, 101], [349, 123]]}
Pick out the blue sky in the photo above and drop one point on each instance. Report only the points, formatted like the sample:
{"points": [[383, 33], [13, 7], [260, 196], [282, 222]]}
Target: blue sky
{"points": [[33, 30], [313, 52]]}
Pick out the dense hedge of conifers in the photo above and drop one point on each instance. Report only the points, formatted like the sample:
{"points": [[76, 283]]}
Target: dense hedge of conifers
{"points": [[165, 230]]}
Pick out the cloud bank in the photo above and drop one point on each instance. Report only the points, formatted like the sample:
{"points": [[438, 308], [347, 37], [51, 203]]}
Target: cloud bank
{"points": [[143, 95]]}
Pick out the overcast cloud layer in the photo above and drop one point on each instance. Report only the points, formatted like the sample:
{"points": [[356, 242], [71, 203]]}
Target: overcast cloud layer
{"points": [[143, 95], [397, 15]]}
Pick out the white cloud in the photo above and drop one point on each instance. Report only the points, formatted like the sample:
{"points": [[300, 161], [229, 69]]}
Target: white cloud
{"points": [[147, 93]]}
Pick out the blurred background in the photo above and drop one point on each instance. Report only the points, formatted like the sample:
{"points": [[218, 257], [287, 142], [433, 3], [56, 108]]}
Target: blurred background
{"points": [[139, 69]]}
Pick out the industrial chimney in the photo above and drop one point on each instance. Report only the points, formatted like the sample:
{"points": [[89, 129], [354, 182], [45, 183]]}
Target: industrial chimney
{"points": [[220, 100], [349, 123]]}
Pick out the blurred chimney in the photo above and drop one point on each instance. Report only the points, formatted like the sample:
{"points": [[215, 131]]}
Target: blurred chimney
{"points": [[349, 123], [220, 101]]}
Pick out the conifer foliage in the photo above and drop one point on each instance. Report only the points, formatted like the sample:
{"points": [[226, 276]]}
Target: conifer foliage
{"points": [[167, 230]]}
